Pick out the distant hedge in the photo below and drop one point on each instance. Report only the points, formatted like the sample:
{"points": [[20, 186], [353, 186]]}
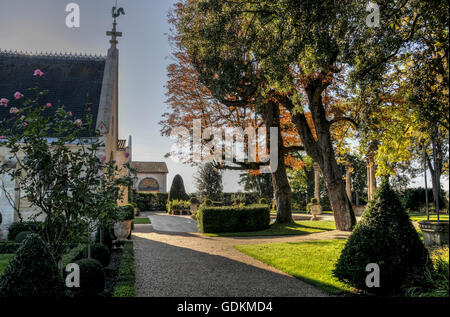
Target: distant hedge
{"points": [[151, 201], [233, 219]]}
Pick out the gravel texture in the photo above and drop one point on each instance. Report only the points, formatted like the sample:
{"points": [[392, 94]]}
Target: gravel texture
{"points": [[181, 263]]}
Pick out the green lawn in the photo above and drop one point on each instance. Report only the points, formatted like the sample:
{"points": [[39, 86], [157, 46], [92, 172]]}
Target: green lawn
{"points": [[4, 260], [422, 217], [303, 212], [298, 228], [312, 262], [142, 221]]}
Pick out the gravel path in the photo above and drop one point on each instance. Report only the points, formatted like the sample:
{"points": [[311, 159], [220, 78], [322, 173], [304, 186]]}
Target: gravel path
{"points": [[187, 264]]}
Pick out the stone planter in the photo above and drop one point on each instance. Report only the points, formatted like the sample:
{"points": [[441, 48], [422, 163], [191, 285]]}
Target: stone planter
{"points": [[315, 211], [435, 233], [122, 229]]}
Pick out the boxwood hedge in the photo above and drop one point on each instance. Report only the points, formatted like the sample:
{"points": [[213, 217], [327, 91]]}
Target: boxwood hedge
{"points": [[233, 219]]}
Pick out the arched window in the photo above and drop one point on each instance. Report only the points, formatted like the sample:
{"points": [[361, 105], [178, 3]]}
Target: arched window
{"points": [[148, 184]]}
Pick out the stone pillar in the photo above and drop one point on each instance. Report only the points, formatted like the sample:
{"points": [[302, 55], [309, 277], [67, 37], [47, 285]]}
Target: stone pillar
{"points": [[317, 182], [348, 181], [371, 178], [7, 201]]}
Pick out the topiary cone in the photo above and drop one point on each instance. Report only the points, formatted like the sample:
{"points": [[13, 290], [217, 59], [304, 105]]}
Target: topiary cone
{"points": [[385, 236], [32, 273]]}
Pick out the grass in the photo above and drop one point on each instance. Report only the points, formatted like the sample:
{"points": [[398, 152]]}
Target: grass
{"points": [[423, 217], [126, 277], [303, 212], [311, 262], [4, 260], [297, 228], [142, 221]]}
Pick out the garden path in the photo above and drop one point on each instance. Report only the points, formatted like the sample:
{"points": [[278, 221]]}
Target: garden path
{"points": [[185, 263]]}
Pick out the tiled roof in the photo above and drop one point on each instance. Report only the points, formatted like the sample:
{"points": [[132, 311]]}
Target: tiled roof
{"points": [[73, 81], [150, 167]]}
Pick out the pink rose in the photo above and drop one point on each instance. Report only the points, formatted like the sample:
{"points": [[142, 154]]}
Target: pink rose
{"points": [[78, 123], [49, 105], [4, 102], [88, 109], [25, 124], [70, 113], [102, 158], [14, 110], [2, 137], [18, 95], [38, 72]]}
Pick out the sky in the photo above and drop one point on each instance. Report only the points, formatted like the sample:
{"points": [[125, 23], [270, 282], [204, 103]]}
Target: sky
{"points": [[40, 26]]}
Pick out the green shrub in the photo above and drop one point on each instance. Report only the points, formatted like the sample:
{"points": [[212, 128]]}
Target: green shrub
{"points": [[92, 278], [19, 227], [208, 202], [151, 201], [126, 277], [194, 201], [177, 190], [314, 201], [385, 236], [125, 213], [108, 235], [9, 247], [178, 205], [263, 201], [233, 219], [33, 272], [73, 255], [22, 236], [99, 252]]}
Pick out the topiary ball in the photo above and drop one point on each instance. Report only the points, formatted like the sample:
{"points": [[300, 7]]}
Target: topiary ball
{"points": [[92, 278], [33, 272], [22, 236], [385, 236]]}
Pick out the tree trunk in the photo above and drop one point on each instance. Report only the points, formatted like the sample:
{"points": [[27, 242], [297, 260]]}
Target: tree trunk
{"points": [[321, 150], [281, 187]]}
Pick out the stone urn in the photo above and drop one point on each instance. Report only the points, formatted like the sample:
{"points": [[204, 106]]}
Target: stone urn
{"points": [[435, 233], [315, 211], [122, 229]]}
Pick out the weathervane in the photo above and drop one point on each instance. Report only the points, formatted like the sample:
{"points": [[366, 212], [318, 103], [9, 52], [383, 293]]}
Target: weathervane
{"points": [[116, 12]]}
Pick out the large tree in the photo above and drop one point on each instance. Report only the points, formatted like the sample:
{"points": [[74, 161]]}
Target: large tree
{"points": [[290, 53]]}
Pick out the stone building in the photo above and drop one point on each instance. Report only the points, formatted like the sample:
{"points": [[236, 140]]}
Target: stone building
{"points": [[150, 177], [82, 84]]}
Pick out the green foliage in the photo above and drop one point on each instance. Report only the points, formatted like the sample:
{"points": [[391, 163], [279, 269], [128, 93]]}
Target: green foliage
{"points": [[22, 236], [208, 202], [108, 235], [194, 201], [209, 182], [263, 201], [126, 278], [413, 199], [314, 201], [99, 252], [18, 227], [177, 191], [152, 201], [73, 254], [259, 184], [233, 219], [92, 278], [434, 282], [125, 213], [32, 273], [178, 206], [385, 236], [7, 247]]}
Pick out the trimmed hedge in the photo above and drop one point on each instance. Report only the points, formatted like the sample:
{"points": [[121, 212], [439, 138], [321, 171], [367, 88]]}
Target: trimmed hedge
{"points": [[151, 201], [22, 236], [178, 206], [125, 280], [9, 247], [233, 219], [92, 278], [19, 227]]}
